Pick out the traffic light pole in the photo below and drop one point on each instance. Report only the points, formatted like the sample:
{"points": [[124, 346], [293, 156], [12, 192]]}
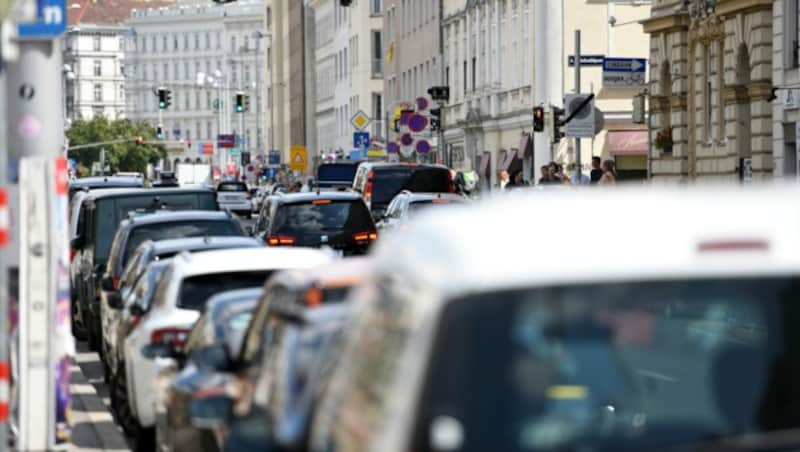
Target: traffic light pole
{"points": [[578, 161]]}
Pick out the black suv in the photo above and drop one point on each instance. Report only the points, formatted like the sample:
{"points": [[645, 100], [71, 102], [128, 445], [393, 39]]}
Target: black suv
{"points": [[337, 175], [379, 183], [98, 219], [339, 220]]}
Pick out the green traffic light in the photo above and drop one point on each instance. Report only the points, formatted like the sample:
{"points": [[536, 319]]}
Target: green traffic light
{"points": [[239, 109], [162, 105]]}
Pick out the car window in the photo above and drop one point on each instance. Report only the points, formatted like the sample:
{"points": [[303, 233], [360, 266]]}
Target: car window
{"points": [[163, 286], [388, 182], [198, 337], [178, 229], [676, 363], [255, 337], [131, 270], [231, 186], [336, 172], [321, 216], [81, 221], [196, 290]]}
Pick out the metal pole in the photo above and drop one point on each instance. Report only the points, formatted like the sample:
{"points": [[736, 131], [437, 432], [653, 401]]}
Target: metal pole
{"points": [[649, 136], [579, 164], [271, 97], [4, 330], [447, 158]]}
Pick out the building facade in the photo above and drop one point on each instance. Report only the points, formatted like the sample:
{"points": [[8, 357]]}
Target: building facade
{"points": [[348, 70], [711, 71], [786, 76], [204, 54], [490, 55]]}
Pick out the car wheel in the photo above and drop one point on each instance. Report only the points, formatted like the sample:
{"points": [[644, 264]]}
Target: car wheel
{"points": [[120, 405], [104, 361], [78, 330], [93, 339], [145, 440]]}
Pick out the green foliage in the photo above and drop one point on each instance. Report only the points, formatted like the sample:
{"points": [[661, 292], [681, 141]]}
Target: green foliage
{"points": [[129, 156]]}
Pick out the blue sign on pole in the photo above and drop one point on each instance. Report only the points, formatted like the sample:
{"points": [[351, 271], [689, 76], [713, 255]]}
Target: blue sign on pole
{"points": [[624, 72], [274, 158], [588, 60], [361, 140], [51, 21]]}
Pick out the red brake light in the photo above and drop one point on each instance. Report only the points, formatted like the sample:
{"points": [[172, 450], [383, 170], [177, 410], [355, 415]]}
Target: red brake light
{"points": [[368, 185], [365, 236], [176, 337], [451, 186], [313, 297], [317, 202], [72, 254], [440, 201], [733, 245], [280, 240]]}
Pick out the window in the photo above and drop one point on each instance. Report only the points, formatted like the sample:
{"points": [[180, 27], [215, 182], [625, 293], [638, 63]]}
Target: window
{"points": [[175, 43], [790, 43], [376, 7], [186, 102], [96, 44], [196, 41], [98, 111], [247, 74], [219, 40], [474, 72], [166, 71], [98, 92], [233, 44], [98, 68], [121, 92], [464, 77], [208, 41], [269, 18], [164, 43], [377, 54], [197, 101], [246, 45], [185, 42]]}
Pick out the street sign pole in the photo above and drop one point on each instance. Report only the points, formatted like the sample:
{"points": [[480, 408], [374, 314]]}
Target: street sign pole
{"points": [[579, 165]]}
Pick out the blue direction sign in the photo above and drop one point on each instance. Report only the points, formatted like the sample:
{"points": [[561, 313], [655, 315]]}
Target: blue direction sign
{"points": [[361, 140], [51, 21], [588, 60], [624, 72], [226, 141]]}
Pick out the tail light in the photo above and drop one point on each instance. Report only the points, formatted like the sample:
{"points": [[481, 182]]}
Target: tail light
{"points": [[314, 297], [451, 186], [175, 337], [368, 186], [365, 236], [280, 240], [72, 253]]}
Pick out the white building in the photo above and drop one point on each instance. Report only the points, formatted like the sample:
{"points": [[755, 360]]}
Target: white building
{"points": [[93, 50], [348, 65], [204, 54], [785, 74]]}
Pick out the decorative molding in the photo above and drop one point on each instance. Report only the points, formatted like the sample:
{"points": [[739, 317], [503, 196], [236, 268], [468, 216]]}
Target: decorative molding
{"points": [[665, 24], [730, 7], [736, 94], [759, 91]]}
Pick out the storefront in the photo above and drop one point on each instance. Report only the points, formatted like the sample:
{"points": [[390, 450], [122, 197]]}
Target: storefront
{"points": [[628, 149]]}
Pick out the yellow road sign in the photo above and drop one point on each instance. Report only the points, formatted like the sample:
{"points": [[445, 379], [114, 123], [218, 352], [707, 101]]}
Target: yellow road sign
{"points": [[298, 159], [360, 120]]}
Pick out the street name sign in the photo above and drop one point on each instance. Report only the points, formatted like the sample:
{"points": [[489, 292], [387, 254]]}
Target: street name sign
{"points": [[51, 21], [624, 72], [587, 60]]}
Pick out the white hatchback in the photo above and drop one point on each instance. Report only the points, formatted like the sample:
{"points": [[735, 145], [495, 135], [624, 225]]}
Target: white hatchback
{"points": [[234, 196], [180, 298]]}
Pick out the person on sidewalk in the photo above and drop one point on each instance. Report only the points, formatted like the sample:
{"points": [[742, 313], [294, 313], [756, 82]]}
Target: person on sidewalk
{"points": [[597, 172], [609, 177], [517, 181], [585, 180]]}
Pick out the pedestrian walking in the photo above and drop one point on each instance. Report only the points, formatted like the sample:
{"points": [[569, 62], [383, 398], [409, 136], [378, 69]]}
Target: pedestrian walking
{"points": [[609, 173], [548, 175], [517, 181], [597, 172], [584, 180], [504, 179], [560, 175]]}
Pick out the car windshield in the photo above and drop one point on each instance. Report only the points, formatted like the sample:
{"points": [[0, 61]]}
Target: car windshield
{"points": [[391, 181], [336, 172], [614, 367], [323, 216], [175, 230], [228, 186], [196, 290]]}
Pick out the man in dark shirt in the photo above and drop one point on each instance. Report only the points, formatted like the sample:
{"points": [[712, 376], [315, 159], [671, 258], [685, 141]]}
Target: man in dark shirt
{"points": [[596, 173]]}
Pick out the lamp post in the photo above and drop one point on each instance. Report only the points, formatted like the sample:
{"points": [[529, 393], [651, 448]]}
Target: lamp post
{"points": [[260, 35]]}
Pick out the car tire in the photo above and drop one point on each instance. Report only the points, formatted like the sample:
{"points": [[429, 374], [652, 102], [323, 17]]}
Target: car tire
{"points": [[93, 339], [120, 405], [78, 331], [104, 361], [145, 440]]}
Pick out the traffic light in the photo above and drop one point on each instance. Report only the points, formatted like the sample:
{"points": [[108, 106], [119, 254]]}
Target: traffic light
{"points": [[538, 119], [556, 134], [345, 3], [164, 98], [246, 102], [436, 119], [160, 132], [439, 93], [245, 158], [240, 102]]}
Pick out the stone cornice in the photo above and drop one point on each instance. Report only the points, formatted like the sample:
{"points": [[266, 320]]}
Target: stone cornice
{"points": [[661, 24], [759, 90], [736, 94], [730, 7]]}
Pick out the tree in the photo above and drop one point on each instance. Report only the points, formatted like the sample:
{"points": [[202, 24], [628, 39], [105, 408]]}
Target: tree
{"points": [[128, 156]]}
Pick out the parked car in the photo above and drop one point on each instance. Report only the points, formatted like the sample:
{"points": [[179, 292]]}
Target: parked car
{"points": [[285, 359], [323, 219], [153, 227], [407, 204], [188, 283], [98, 219], [103, 182], [220, 329], [135, 305], [378, 183], [234, 196], [337, 175], [515, 344]]}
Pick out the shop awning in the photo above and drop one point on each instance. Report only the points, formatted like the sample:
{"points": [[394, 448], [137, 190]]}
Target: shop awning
{"points": [[511, 162], [486, 162], [526, 146], [627, 142]]}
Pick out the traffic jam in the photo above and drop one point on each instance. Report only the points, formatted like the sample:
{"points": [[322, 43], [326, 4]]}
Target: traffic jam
{"points": [[383, 309]]}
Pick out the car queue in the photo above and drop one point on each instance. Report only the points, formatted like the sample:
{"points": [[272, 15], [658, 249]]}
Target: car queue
{"points": [[397, 316]]}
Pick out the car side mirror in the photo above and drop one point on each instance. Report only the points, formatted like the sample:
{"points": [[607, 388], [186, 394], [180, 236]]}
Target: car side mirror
{"points": [[107, 283], [76, 243], [213, 358], [211, 411], [159, 350], [114, 300]]}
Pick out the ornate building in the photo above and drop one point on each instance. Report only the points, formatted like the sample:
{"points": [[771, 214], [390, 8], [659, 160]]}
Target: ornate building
{"points": [[711, 76]]}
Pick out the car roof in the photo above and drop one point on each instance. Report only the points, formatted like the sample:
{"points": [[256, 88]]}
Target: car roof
{"points": [[202, 243], [168, 216], [345, 272], [223, 301], [99, 181], [122, 192], [382, 165], [599, 236], [417, 197], [289, 198], [251, 259]]}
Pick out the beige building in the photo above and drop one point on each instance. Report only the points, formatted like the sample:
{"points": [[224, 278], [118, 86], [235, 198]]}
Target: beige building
{"points": [[786, 76], [711, 71], [490, 51]]}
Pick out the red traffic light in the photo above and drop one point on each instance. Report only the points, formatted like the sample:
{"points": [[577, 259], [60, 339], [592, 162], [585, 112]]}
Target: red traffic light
{"points": [[538, 119]]}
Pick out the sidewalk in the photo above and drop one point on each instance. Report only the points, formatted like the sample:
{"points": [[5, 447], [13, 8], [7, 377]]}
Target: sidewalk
{"points": [[93, 427]]}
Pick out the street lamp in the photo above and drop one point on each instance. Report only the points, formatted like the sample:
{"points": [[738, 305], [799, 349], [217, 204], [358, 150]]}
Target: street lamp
{"points": [[66, 81]]}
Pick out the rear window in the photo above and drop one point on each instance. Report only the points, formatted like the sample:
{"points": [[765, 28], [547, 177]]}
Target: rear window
{"points": [[389, 182], [415, 207], [110, 211], [326, 217], [196, 290], [178, 229], [337, 172], [232, 186]]}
